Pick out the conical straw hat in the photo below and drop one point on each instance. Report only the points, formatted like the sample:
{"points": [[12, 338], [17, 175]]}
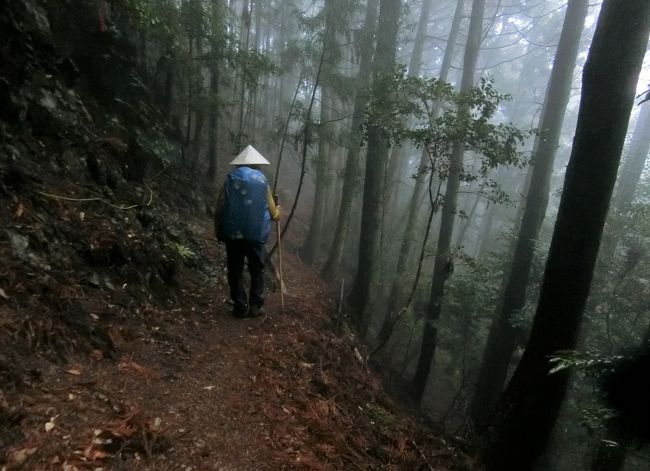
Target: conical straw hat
{"points": [[250, 156]]}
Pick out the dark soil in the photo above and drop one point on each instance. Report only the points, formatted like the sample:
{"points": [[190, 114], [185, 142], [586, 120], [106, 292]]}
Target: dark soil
{"points": [[194, 388]]}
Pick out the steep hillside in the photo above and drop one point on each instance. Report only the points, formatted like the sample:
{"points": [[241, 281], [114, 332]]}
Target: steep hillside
{"points": [[117, 348]]}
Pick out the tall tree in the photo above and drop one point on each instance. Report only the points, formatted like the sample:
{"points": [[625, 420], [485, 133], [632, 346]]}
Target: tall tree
{"points": [[244, 41], [443, 262], [335, 20], [375, 172], [351, 175], [530, 404], [217, 36], [398, 287], [634, 162], [501, 339], [415, 65]]}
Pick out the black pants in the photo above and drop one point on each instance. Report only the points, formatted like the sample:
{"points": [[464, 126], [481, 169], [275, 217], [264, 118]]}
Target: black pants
{"points": [[237, 252]]}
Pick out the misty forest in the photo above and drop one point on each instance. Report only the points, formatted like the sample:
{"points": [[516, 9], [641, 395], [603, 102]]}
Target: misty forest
{"points": [[458, 278]]}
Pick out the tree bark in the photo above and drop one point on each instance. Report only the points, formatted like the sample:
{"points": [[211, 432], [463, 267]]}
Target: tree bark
{"points": [[530, 405], [441, 268], [244, 39], [321, 164], [470, 216], [396, 297], [634, 162], [415, 65], [377, 158], [168, 97], [501, 339], [216, 45], [351, 178]]}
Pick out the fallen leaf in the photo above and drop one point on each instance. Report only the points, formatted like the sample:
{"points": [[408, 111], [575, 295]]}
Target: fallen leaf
{"points": [[49, 425], [91, 453], [209, 388], [19, 456], [127, 364], [19, 210], [74, 372], [3, 294]]}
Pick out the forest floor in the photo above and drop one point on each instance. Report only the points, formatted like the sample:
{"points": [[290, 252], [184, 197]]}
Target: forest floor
{"points": [[192, 387], [117, 346]]}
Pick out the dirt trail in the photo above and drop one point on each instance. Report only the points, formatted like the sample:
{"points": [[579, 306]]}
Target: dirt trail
{"points": [[195, 388]]}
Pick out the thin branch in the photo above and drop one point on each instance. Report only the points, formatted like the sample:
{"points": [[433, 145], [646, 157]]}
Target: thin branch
{"points": [[284, 134], [304, 154], [66, 198], [434, 208]]}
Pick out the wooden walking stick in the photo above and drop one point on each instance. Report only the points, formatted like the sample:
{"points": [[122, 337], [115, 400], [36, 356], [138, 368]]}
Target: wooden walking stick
{"points": [[277, 225]]}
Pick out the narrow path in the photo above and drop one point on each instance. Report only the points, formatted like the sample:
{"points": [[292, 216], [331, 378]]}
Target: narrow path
{"points": [[196, 388]]}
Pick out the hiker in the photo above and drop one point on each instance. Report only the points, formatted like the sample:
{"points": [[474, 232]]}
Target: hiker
{"points": [[243, 223]]}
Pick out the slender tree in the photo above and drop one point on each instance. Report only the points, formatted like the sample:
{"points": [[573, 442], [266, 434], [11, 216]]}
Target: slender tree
{"points": [[415, 65], [501, 339], [351, 175], [244, 41], [398, 288], [334, 19], [217, 32], [375, 172], [530, 404], [634, 162], [443, 262]]}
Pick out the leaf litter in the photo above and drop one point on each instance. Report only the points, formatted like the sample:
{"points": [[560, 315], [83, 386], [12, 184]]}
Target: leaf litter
{"points": [[286, 392]]}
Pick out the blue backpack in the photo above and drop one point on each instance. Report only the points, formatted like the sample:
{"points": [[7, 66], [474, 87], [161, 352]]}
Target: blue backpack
{"points": [[246, 214]]}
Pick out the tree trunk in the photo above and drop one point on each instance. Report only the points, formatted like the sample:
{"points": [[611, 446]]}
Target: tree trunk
{"points": [[487, 220], [529, 407], [216, 43], [397, 290], [470, 216], [244, 39], [168, 96], [634, 162], [213, 116], [501, 339], [377, 158], [190, 97], [335, 189], [442, 263], [321, 164], [199, 114], [350, 181], [415, 65]]}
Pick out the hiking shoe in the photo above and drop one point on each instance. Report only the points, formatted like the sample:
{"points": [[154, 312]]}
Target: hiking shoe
{"points": [[256, 311]]}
